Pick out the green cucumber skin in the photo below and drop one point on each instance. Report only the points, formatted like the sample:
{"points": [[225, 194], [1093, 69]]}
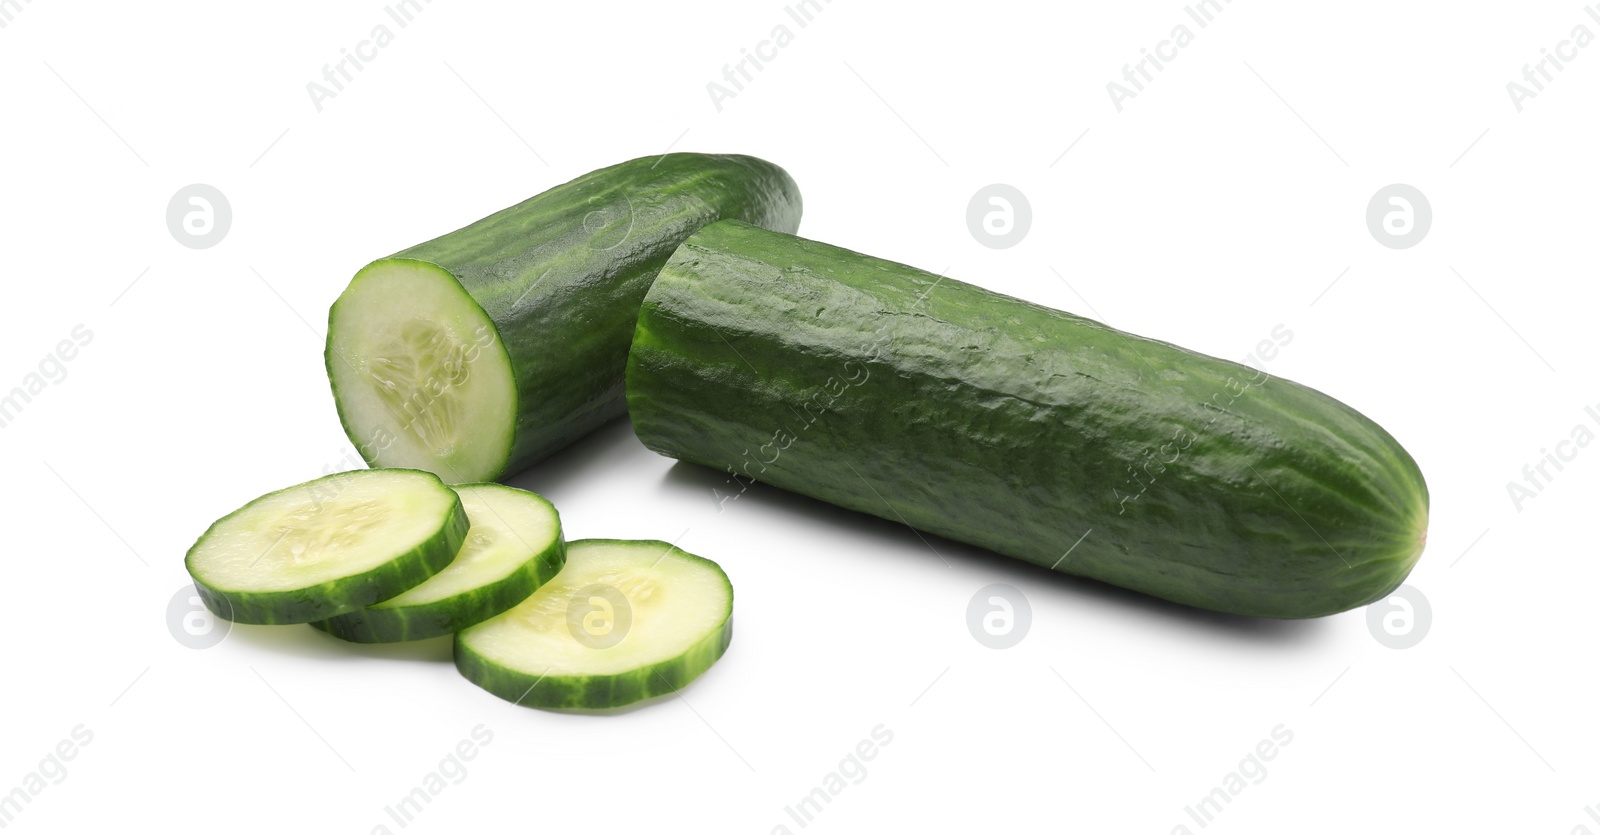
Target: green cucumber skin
{"points": [[562, 274], [600, 692], [384, 624], [593, 692], [336, 597], [1018, 428]]}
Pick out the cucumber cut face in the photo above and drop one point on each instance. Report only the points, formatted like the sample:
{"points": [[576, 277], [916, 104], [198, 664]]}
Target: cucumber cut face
{"points": [[419, 374], [513, 547], [623, 621], [328, 546]]}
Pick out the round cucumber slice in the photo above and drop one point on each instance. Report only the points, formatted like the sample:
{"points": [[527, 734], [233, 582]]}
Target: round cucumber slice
{"points": [[623, 621], [328, 546], [419, 374], [513, 547]]}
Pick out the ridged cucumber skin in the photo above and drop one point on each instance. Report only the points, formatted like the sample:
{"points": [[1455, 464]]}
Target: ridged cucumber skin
{"points": [[1017, 428], [600, 692], [561, 276], [388, 624], [335, 597]]}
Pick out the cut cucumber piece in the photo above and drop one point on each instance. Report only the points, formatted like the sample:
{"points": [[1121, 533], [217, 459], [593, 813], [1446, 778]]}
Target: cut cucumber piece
{"points": [[623, 621], [513, 547], [1031, 432], [419, 366], [328, 546], [478, 353]]}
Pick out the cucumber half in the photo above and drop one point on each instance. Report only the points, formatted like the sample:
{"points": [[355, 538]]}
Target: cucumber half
{"points": [[420, 374], [513, 547], [623, 621], [479, 353], [328, 546]]}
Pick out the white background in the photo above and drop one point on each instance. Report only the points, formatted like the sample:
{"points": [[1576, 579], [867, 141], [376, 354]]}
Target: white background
{"points": [[1222, 201]]}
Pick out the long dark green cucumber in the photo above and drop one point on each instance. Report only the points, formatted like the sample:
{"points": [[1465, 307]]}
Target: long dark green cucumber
{"points": [[560, 277], [1024, 430]]}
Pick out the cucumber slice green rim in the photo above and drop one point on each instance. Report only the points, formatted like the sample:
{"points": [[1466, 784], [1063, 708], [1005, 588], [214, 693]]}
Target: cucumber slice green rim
{"points": [[419, 372], [513, 547], [328, 546], [625, 620]]}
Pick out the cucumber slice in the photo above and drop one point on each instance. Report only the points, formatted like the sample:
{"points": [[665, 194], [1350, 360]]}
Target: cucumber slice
{"points": [[328, 546], [623, 621], [513, 547]]}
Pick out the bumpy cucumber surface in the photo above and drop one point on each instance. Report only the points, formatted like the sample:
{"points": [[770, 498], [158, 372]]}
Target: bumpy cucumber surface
{"points": [[328, 546], [482, 351], [624, 620], [513, 546], [1028, 431]]}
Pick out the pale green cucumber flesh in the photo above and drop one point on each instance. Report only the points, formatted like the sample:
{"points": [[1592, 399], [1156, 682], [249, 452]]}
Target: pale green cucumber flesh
{"points": [[514, 546], [328, 546], [419, 373]]}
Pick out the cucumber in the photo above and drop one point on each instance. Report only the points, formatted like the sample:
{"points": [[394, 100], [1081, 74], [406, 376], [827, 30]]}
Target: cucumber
{"points": [[513, 546], [1031, 432], [482, 351], [328, 546], [624, 620]]}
